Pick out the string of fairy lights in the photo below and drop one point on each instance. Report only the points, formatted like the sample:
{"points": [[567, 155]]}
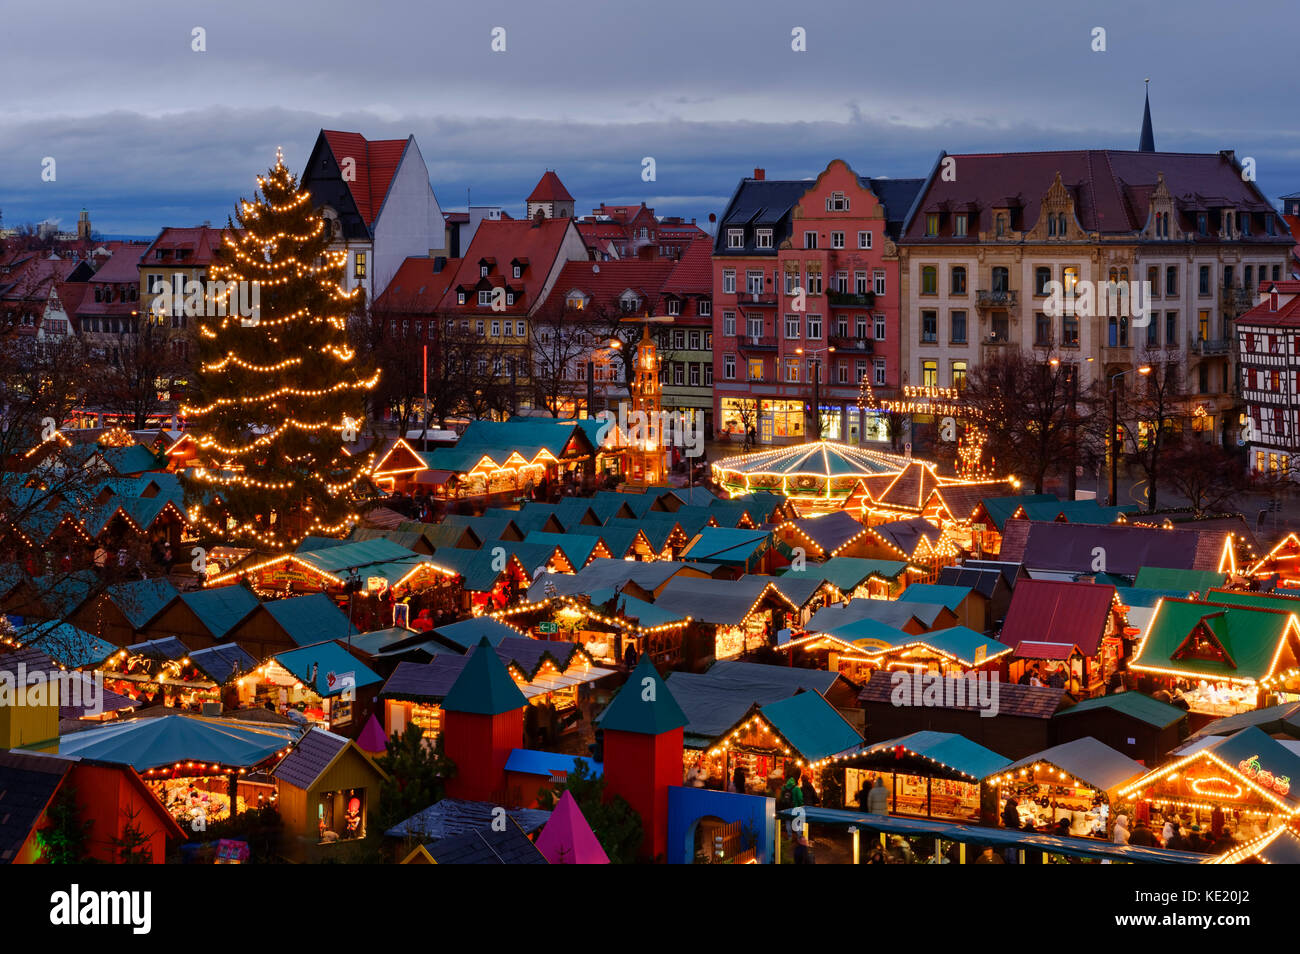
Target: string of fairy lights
{"points": [[300, 399]]}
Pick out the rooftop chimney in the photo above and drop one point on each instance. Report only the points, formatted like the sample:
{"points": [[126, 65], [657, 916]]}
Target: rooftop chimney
{"points": [[760, 173]]}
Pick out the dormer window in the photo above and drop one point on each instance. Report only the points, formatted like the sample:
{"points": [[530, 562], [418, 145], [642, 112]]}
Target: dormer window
{"points": [[735, 238], [485, 296], [932, 223], [482, 271], [460, 298], [629, 301], [1269, 226], [999, 225], [674, 306], [517, 271], [1245, 223], [576, 300], [837, 202], [763, 238], [1202, 223]]}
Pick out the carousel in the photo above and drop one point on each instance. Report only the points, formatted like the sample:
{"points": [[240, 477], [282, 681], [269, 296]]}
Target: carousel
{"points": [[817, 477]]}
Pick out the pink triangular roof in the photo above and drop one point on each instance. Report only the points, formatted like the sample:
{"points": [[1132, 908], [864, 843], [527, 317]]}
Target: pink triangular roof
{"points": [[567, 839], [372, 739]]}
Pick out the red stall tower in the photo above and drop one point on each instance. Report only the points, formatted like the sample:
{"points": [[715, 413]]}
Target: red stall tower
{"points": [[483, 721], [643, 751]]}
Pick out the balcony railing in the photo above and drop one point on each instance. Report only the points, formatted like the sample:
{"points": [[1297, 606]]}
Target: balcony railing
{"points": [[1212, 346], [995, 298], [757, 342], [757, 298], [851, 299], [860, 345]]}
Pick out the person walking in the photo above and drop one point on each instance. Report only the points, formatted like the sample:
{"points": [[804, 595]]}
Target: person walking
{"points": [[878, 798]]}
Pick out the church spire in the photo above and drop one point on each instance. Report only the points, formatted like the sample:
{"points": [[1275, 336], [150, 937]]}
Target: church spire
{"points": [[1148, 141]]}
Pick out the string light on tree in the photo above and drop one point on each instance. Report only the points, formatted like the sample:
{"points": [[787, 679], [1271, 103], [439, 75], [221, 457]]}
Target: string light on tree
{"points": [[274, 397]]}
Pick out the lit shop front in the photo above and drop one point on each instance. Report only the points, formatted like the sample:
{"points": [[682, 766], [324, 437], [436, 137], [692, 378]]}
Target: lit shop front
{"points": [[925, 774], [609, 639], [1248, 780], [1076, 783]]}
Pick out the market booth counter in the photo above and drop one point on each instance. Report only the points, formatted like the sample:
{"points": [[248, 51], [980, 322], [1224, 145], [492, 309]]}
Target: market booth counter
{"points": [[1249, 777], [327, 684], [926, 774], [859, 649], [740, 615], [1076, 781]]}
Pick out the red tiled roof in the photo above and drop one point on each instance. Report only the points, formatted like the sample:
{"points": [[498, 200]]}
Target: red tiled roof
{"points": [[376, 164], [693, 273], [604, 282], [71, 295], [1049, 611], [416, 288], [550, 189], [201, 241], [122, 266], [1111, 188], [502, 241], [1288, 310]]}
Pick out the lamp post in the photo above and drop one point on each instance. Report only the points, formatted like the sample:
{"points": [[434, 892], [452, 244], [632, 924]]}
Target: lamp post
{"points": [[817, 367], [1114, 430]]}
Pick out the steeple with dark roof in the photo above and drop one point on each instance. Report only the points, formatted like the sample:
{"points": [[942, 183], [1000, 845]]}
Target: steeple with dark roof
{"points": [[1148, 141]]}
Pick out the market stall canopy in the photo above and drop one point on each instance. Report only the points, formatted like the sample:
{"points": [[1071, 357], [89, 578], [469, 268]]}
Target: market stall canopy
{"points": [[468, 632], [549, 764], [1029, 702], [223, 663], [720, 602], [1280, 720], [312, 756], [848, 573], [600, 574], [828, 533], [568, 839], [832, 619], [1135, 705], [728, 547], [949, 596], [221, 608], [330, 663], [1167, 578], [310, 618], [454, 816], [716, 700], [1095, 764], [1071, 547], [140, 601], [168, 740], [998, 510], [1217, 642], [1050, 611], [69, 646], [811, 728], [946, 750]]}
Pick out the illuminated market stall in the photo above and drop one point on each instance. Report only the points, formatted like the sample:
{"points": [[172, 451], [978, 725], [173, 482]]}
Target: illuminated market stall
{"points": [[1076, 781], [1248, 780], [926, 774], [861, 648], [198, 766], [612, 627], [329, 686], [817, 477]]}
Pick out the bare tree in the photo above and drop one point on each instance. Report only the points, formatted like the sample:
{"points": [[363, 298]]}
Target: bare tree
{"points": [[1203, 472], [1149, 410], [559, 338], [139, 376]]}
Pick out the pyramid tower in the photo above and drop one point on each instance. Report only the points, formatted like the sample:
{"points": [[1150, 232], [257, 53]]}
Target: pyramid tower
{"points": [[483, 721], [643, 751], [567, 839]]}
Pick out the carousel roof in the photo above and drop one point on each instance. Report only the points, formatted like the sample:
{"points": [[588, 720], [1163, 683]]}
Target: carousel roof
{"points": [[819, 458]]}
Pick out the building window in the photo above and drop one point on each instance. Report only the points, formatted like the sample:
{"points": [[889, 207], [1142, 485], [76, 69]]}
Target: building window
{"points": [[837, 202], [958, 320], [878, 279], [929, 327], [693, 341], [930, 374], [729, 324], [517, 271], [729, 281], [959, 225], [496, 329], [1171, 280], [929, 280], [1204, 280], [755, 367], [792, 370], [754, 326], [880, 327], [814, 327], [1042, 329], [1000, 225], [519, 328], [791, 327], [705, 308], [959, 374], [864, 240], [674, 306], [1042, 275], [678, 378], [842, 281], [708, 375], [877, 372], [837, 240], [359, 265], [1171, 328], [729, 367], [1070, 331], [1203, 325], [861, 284], [763, 238], [754, 281], [1153, 334], [485, 296], [957, 280], [814, 282], [735, 238], [809, 239], [478, 327], [932, 224]]}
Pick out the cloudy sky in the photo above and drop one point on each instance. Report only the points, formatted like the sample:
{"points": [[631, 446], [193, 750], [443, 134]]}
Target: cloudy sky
{"points": [[146, 132]]}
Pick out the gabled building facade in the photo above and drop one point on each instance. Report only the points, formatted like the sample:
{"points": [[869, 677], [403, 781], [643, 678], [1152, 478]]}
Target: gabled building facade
{"points": [[376, 198], [806, 299], [1268, 342]]}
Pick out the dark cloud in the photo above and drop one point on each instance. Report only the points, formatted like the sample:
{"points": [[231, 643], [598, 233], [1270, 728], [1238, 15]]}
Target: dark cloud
{"points": [[147, 132]]}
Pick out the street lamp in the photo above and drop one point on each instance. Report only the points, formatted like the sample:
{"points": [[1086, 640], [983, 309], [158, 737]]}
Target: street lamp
{"points": [[1114, 429], [817, 367]]}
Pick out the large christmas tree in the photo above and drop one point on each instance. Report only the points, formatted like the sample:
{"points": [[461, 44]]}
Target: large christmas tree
{"points": [[278, 391]]}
